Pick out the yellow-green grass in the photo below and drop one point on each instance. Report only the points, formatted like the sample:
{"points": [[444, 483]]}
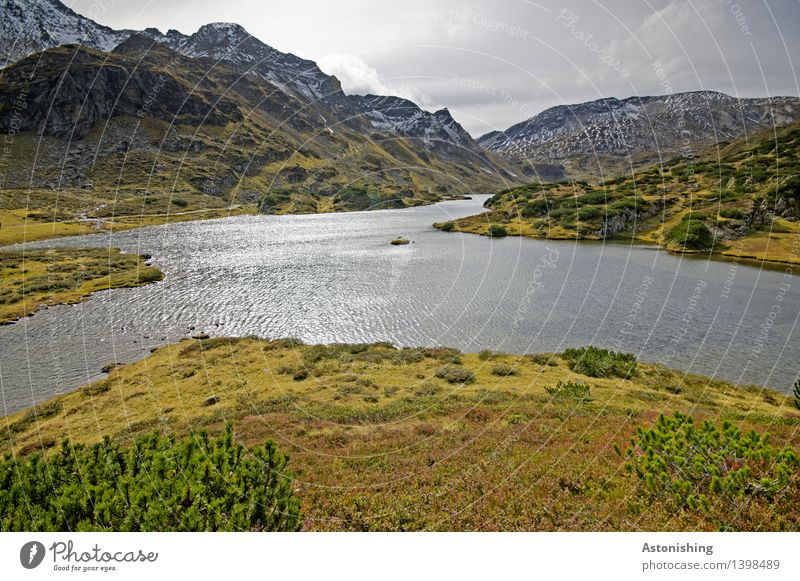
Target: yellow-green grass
{"points": [[15, 228], [38, 278], [42, 215], [378, 441], [781, 244]]}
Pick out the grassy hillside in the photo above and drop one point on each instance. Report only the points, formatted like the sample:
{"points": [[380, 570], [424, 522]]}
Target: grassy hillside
{"points": [[740, 199], [38, 278], [412, 439]]}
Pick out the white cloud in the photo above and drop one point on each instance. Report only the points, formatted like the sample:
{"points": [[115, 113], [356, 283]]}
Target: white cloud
{"points": [[357, 77]]}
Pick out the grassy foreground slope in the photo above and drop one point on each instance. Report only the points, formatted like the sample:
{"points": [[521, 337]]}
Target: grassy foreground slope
{"points": [[740, 199], [416, 439]]}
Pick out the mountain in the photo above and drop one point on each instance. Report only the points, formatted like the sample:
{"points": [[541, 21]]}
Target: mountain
{"points": [[29, 26], [219, 113], [609, 135]]}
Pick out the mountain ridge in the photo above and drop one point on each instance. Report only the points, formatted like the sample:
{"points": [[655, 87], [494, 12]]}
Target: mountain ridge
{"points": [[594, 135], [248, 120]]}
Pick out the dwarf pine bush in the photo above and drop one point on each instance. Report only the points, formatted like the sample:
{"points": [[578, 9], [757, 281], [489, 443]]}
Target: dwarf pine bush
{"points": [[455, 374], [569, 390], [157, 484], [596, 362], [697, 465]]}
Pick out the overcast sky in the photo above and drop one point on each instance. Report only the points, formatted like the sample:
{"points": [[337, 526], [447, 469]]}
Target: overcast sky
{"points": [[494, 63]]}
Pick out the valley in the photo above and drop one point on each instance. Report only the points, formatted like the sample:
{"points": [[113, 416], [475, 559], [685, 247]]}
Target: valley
{"points": [[242, 293]]}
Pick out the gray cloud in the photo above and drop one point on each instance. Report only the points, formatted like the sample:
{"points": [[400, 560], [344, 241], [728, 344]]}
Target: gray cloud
{"points": [[494, 63]]}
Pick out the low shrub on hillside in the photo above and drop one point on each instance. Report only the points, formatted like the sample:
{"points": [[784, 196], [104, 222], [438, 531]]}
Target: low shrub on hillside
{"points": [[569, 390], [542, 359], [697, 466], [692, 234], [455, 374], [732, 213], [497, 231], [504, 370], [157, 484], [596, 362]]}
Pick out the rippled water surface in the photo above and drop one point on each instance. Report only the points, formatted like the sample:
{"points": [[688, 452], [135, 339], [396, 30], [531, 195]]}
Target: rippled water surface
{"points": [[335, 278]]}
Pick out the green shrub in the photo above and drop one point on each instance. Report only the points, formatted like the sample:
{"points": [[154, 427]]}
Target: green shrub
{"points": [[693, 466], [796, 394], [542, 359], [590, 213], [515, 419], [454, 374], [593, 198], [96, 388], [569, 390], [428, 389], [562, 214], [596, 362], [537, 208], [486, 355], [157, 484], [448, 226], [446, 354], [732, 213], [504, 370], [693, 215], [149, 274], [407, 355], [692, 234], [497, 231]]}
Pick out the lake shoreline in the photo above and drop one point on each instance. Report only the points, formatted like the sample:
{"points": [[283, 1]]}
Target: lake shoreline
{"points": [[467, 226], [328, 278]]}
